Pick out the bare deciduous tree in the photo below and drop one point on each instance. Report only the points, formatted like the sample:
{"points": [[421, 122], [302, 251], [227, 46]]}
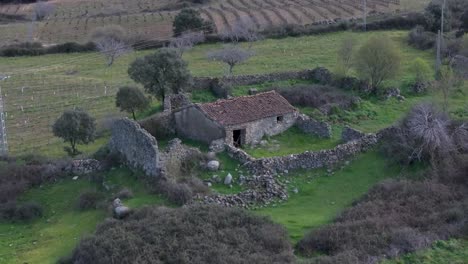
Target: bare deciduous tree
{"points": [[345, 55], [186, 41], [231, 55], [112, 49], [111, 42], [42, 10], [243, 29]]}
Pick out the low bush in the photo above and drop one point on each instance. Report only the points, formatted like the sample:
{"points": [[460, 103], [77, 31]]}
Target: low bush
{"points": [[177, 193], [394, 218], [28, 211], [421, 39], [221, 90], [88, 200], [16, 178], [205, 234]]}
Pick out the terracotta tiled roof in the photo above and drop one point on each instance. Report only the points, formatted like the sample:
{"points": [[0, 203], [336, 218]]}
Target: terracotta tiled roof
{"points": [[245, 109]]}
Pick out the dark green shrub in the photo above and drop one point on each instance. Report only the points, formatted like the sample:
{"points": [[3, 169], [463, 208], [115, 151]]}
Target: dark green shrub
{"points": [[421, 39], [88, 200], [195, 234], [28, 211]]}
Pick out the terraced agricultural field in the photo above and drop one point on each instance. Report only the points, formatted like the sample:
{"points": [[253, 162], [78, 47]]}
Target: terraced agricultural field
{"points": [[74, 20]]}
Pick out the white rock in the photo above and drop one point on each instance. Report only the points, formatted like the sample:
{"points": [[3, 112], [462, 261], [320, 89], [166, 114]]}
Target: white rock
{"points": [[121, 211], [213, 165], [208, 184], [211, 155], [228, 179], [75, 178], [296, 190]]}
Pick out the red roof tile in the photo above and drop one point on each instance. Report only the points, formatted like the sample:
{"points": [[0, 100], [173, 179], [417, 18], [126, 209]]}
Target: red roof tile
{"points": [[245, 109]]}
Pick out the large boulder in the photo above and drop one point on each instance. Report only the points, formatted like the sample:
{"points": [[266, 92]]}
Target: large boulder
{"points": [[120, 211]]}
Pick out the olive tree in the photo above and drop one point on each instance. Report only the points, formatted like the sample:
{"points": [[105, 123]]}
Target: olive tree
{"points": [[421, 70], [161, 73], [75, 127], [190, 20], [377, 60], [230, 55], [131, 99]]}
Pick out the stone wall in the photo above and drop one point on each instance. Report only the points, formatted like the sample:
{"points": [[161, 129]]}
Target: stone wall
{"points": [[350, 134], [176, 101], [314, 127], [204, 83], [138, 147], [238, 154], [312, 160]]}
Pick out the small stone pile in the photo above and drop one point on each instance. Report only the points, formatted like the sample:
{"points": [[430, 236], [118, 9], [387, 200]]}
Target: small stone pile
{"points": [[263, 190], [84, 166]]}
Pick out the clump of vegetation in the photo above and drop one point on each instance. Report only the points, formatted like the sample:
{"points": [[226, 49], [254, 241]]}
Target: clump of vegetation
{"points": [[131, 99], [428, 135], [190, 20], [206, 234], [421, 39], [88, 200], [161, 73], [75, 127], [378, 60], [27, 211]]}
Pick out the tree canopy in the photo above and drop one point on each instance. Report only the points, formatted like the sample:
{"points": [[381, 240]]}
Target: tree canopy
{"points": [[75, 127], [131, 99], [161, 73]]}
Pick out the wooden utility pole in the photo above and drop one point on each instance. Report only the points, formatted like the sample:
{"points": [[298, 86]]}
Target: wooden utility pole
{"points": [[365, 14], [3, 132]]}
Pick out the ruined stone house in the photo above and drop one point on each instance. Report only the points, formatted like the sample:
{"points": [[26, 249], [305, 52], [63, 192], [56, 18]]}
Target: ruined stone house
{"points": [[238, 121]]}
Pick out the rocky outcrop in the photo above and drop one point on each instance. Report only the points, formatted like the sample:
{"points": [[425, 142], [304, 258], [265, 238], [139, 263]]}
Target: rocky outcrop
{"points": [[136, 146], [311, 126]]}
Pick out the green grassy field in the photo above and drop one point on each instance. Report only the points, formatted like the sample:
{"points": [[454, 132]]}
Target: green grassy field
{"points": [[321, 197], [55, 234]]}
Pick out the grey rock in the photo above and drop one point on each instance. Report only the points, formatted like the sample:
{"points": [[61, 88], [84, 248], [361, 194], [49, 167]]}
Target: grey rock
{"points": [[228, 179], [213, 165]]}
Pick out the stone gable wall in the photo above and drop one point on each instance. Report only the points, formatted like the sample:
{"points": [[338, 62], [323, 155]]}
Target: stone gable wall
{"points": [[138, 147]]}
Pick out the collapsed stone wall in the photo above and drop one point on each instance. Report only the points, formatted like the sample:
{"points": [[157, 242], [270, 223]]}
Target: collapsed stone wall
{"points": [[262, 190], [138, 147], [311, 126], [175, 156], [312, 159]]}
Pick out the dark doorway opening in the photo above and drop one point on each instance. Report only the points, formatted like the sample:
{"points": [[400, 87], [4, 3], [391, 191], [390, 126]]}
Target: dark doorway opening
{"points": [[237, 138]]}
